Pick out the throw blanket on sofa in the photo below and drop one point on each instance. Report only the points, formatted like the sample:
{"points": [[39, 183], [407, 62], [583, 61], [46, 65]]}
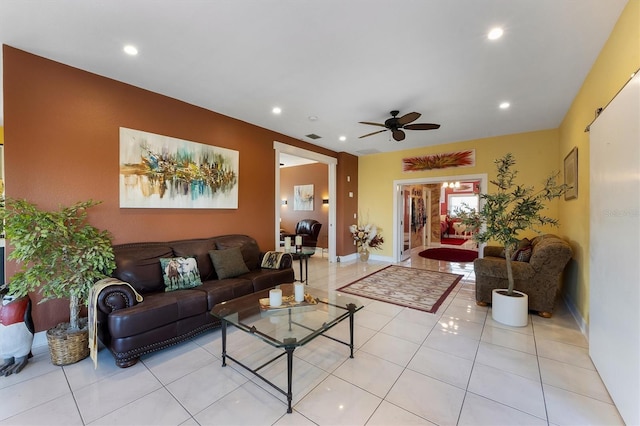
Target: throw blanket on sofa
{"points": [[93, 320]]}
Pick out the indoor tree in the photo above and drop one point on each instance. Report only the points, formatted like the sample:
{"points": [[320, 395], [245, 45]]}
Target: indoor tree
{"points": [[511, 209], [59, 253]]}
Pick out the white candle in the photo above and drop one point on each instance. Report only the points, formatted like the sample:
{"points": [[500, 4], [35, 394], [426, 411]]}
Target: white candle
{"points": [[275, 297], [298, 292], [287, 243], [298, 240]]}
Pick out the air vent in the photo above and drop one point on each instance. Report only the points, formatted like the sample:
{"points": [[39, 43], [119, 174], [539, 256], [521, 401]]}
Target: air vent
{"points": [[313, 136]]}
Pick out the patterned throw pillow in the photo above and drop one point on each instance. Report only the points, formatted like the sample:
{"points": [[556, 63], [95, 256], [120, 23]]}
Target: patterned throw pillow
{"points": [[228, 263], [523, 255], [180, 273], [273, 259]]}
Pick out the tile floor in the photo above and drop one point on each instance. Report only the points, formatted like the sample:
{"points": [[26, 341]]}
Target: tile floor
{"points": [[457, 366]]}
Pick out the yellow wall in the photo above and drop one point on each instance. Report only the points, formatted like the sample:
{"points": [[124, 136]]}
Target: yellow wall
{"points": [[535, 154], [1, 135], [618, 59]]}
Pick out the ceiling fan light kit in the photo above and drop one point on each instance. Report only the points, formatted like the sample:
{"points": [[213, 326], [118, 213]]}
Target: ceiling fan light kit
{"points": [[397, 124]]}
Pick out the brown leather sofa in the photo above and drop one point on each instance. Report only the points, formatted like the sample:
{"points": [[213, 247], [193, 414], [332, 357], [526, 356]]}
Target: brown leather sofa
{"points": [[308, 229], [539, 278], [130, 329]]}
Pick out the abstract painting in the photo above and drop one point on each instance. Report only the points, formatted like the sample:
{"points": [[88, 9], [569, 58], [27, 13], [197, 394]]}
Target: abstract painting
{"points": [[303, 197], [163, 172], [440, 161]]}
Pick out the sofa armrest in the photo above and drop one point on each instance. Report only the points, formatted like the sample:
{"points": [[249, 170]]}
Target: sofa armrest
{"points": [[493, 251], [497, 267], [116, 297], [286, 262]]}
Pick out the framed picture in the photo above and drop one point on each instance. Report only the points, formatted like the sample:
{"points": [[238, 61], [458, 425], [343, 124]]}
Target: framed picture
{"points": [[162, 172], [303, 197], [571, 174]]}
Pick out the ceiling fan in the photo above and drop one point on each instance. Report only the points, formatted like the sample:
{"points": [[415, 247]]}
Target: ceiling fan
{"points": [[396, 124]]}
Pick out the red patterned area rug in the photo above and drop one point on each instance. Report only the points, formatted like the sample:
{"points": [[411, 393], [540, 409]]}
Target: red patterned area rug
{"points": [[409, 287], [450, 254], [453, 241]]}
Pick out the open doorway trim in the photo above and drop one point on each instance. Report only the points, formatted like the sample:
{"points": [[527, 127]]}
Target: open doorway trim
{"points": [[397, 202], [331, 163]]}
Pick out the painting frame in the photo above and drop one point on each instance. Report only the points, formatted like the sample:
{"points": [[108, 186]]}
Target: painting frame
{"points": [[303, 197], [571, 174], [163, 172]]}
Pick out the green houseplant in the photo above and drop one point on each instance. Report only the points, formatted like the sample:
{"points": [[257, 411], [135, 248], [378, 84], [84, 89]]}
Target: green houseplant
{"points": [[511, 209], [59, 253]]}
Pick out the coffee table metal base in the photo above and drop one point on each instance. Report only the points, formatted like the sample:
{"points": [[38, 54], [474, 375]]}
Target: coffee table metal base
{"points": [[288, 351]]}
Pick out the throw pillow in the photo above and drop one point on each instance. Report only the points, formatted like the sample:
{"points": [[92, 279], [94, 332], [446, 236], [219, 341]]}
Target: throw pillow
{"points": [[273, 259], [180, 272], [523, 255], [228, 263]]}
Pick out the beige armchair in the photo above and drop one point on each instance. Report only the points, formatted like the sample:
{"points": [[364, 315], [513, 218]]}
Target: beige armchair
{"points": [[540, 278]]}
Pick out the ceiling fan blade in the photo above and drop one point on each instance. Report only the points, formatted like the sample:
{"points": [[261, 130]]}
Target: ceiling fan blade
{"points": [[408, 118], [373, 133], [372, 124], [422, 126], [398, 135]]}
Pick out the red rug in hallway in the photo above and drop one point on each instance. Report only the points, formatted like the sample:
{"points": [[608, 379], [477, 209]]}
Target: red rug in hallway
{"points": [[453, 241], [449, 254]]}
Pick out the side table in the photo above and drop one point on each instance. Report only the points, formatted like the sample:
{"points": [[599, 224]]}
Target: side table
{"points": [[302, 257]]}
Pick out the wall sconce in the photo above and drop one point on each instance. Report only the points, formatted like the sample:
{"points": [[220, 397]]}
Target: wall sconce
{"points": [[284, 202], [325, 201]]}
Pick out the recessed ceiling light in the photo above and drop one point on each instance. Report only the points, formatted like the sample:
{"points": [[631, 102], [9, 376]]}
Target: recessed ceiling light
{"points": [[313, 118], [130, 50], [276, 110], [495, 33], [342, 138], [505, 105]]}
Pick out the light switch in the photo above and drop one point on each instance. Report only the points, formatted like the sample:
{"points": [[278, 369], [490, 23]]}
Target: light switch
{"points": [[348, 178], [350, 194]]}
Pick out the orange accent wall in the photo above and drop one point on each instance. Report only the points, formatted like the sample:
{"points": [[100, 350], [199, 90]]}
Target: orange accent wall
{"points": [[346, 207], [61, 135], [310, 174]]}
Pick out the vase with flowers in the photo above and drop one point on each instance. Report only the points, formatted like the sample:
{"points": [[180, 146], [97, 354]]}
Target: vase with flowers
{"points": [[366, 237]]}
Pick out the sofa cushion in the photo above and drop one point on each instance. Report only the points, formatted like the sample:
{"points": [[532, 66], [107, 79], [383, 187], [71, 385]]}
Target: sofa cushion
{"points": [[200, 249], [228, 263], [218, 291], [139, 265], [158, 309], [248, 246], [180, 273]]}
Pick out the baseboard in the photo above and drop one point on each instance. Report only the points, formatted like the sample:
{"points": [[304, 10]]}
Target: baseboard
{"points": [[582, 324]]}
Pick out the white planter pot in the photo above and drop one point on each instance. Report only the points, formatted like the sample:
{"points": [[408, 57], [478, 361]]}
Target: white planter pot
{"points": [[510, 310]]}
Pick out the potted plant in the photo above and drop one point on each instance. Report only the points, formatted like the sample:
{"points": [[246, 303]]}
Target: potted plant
{"points": [[60, 256], [501, 217]]}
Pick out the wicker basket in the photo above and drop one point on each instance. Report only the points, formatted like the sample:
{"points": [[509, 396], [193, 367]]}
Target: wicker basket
{"points": [[67, 347]]}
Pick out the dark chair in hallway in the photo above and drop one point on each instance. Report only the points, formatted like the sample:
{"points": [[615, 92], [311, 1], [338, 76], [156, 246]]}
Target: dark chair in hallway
{"points": [[308, 229]]}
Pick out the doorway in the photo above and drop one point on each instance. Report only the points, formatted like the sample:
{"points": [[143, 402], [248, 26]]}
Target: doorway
{"points": [[332, 166], [401, 201]]}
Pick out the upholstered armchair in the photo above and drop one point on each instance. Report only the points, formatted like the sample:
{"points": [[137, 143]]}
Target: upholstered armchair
{"points": [[309, 230], [539, 278]]}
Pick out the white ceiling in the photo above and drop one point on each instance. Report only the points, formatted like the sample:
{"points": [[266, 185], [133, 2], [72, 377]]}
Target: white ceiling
{"points": [[341, 61]]}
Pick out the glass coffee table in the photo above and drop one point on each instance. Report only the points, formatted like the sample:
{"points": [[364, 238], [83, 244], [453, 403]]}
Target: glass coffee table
{"points": [[290, 326]]}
